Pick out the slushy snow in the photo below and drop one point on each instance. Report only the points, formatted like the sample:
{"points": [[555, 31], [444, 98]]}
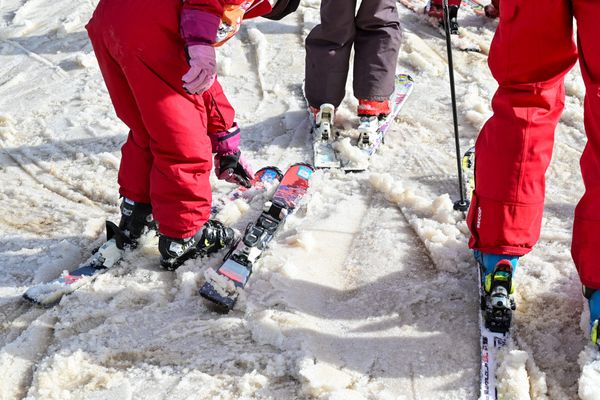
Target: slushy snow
{"points": [[368, 292]]}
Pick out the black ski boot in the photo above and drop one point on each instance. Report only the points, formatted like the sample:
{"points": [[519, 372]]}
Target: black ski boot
{"points": [[136, 219], [212, 237], [453, 14]]}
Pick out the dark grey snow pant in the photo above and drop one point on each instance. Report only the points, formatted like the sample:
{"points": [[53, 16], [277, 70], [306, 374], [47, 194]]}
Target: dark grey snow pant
{"points": [[375, 33]]}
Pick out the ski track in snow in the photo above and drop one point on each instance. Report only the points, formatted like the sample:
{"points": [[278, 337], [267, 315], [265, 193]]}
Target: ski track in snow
{"points": [[368, 292]]}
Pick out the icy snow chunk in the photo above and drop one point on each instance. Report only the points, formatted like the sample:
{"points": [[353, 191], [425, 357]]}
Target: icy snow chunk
{"points": [[354, 156], [69, 376], [302, 239], [85, 60], [321, 378], [225, 66], [222, 285], [265, 330], [252, 382], [6, 119], [188, 285], [442, 210], [513, 382], [589, 381], [232, 212], [63, 255], [68, 25]]}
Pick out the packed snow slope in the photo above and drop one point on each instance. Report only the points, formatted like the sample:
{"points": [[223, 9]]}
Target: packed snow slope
{"points": [[369, 292]]}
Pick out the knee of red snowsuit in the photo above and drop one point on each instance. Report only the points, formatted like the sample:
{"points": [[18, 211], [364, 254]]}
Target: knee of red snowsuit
{"points": [[167, 158], [531, 52]]}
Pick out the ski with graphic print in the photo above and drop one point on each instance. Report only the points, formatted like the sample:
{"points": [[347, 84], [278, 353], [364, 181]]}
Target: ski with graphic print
{"points": [[223, 286], [496, 304]]}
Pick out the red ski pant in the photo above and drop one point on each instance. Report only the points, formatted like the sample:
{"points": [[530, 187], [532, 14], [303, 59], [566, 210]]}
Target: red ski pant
{"points": [[167, 158], [531, 52]]}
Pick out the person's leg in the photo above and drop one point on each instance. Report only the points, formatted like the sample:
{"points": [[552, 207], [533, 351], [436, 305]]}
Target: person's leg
{"points": [[376, 47], [531, 52], [586, 226], [328, 49], [136, 158], [143, 38]]}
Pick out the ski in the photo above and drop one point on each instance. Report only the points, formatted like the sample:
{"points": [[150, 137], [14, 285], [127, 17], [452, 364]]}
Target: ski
{"points": [[494, 334], [324, 135], [369, 142], [263, 178], [112, 251], [495, 318], [496, 304], [222, 287]]}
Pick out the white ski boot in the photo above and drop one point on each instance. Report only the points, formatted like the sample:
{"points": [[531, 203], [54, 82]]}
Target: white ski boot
{"points": [[324, 120]]}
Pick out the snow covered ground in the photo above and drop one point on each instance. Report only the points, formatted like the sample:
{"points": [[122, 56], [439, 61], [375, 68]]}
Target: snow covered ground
{"points": [[368, 293]]}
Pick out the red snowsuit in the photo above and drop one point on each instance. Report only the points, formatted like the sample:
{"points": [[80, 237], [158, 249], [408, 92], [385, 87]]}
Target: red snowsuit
{"points": [[531, 52], [167, 158]]}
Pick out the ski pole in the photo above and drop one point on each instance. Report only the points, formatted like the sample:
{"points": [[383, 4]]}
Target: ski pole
{"points": [[463, 203]]}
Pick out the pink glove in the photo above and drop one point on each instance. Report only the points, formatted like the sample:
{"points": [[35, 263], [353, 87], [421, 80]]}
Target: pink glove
{"points": [[203, 68], [230, 164]]}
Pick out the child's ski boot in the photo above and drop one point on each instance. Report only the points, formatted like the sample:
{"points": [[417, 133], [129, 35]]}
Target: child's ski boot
{"points": [[497, 272], [370, 112]]}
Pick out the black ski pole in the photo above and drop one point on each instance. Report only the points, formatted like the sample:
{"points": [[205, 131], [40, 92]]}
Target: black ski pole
{"points": [[463, 203]]}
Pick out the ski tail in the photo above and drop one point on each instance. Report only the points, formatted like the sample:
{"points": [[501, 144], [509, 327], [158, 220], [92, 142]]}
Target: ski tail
{"points": [[47, 294]]}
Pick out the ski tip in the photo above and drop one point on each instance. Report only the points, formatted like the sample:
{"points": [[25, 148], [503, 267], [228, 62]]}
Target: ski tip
{"points": [[266, 170], [29, 299], [218, 302], [404, 77], [304, 164]]}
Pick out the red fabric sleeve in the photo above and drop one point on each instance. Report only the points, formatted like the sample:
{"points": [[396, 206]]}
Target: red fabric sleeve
{"points": [[258, 10]]}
